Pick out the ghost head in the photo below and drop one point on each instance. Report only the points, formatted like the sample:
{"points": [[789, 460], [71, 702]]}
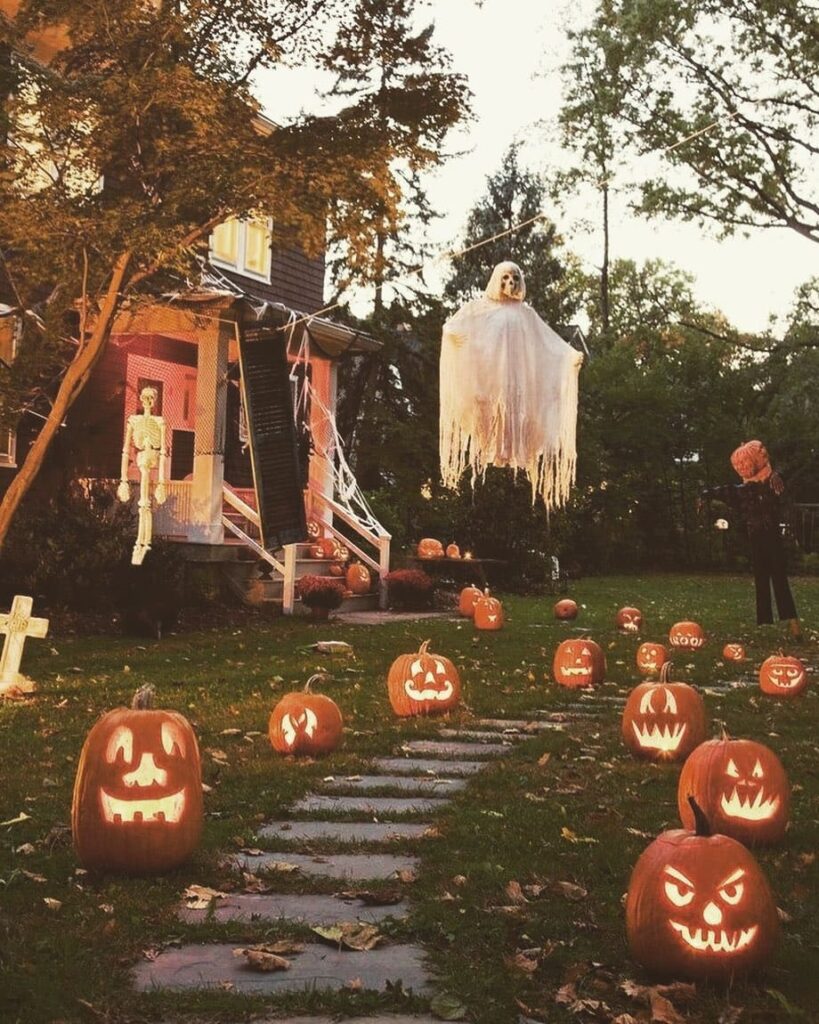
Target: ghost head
{"points": [[506, 283]]}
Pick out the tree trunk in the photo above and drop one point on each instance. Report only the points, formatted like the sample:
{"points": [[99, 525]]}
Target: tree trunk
{"points": [[604, 271], [76, 376], [380, 244]]}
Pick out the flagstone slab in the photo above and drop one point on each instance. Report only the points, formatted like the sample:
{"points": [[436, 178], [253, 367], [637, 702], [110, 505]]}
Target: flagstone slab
{"points": [[317, 967], [344, 831], [373, 806], [306, 909], [479, 735], [516, 725], [466, 749], [405, 783], [427, 766], [380, 1019], [331, 865]]}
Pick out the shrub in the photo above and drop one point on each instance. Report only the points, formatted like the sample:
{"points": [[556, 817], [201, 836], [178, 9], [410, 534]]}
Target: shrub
{"points": [[410, 588], [320, 591]]}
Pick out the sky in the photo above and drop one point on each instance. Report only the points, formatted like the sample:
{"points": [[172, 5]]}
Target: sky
{"points": [[510, 53]]}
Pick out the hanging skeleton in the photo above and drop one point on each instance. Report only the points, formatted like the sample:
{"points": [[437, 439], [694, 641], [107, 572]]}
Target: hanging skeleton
{"points": [[508, 391], [147, 434]]}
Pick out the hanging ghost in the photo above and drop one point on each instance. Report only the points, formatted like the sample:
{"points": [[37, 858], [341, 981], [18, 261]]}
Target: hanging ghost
{"points": [[508, 391]]}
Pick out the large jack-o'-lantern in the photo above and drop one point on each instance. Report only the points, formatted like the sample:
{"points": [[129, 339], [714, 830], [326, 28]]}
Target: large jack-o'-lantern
{"points": [[565, 610], [467, 600], [686, 634], [742, 788], [488, 612], [429, 547], [423, 684], [579, 663], [304, 722], [733, 652], [358, 578], [629, 620], [137, 805], [699, 906], [650, 658], [663, 721], [782, 676]]}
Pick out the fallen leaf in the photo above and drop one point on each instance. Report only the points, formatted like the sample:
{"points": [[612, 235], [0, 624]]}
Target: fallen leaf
{"points": [[251, 851], [385, 898], [445, 1006], [573, 837], [459, 880], [640, 833], [33, 877], [52, 904], [663, 1010], [353, 935], [570, 890], [544, 759], [406, 875], [278, 867], [354, 985], [514, 892], [259, 960], [522, 962], [200, 897], [231, 732], [26, 849]]}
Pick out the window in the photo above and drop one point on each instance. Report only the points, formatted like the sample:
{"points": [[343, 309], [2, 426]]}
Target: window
{"points": [[8, 345], [243, 246]]}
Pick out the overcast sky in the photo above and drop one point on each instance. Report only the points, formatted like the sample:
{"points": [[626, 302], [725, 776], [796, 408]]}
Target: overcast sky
{"points": [[510, 53]]}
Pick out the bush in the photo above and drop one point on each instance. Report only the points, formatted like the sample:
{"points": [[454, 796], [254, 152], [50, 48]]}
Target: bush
{"points": [[411, 589], [320, 591]]}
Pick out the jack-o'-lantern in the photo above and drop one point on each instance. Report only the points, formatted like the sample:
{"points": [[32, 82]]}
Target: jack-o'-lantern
{"points": [[423, 684], [579, 663], [137, 805], [313, 529], [430, 548], [651, 658], [467, 600], [686, 634], [304, 722], [453, 551], [566, 610], [358, 578], [342, 552], [742, 788], [488, 612], [629, 620], [663, 721], [733, 652], [699, 907], [329, 545], [317, 550], [782, 676]]}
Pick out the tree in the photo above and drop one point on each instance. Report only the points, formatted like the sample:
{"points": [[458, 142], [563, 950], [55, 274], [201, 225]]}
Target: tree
{"points": [[156, 99]]}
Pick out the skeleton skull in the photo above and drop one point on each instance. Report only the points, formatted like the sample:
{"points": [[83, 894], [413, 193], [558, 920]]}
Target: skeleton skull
{"points": [[507, 283]]}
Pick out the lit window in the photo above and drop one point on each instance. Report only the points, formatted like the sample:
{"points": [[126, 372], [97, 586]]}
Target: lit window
{"points": [[243, 246]]}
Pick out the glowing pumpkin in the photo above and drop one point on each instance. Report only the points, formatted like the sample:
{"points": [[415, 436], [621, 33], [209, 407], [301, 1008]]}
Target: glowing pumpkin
{"points": [[699, 907], [453, 551], [313, 529], [651, 658], [488, 612], [742, 788], [579, 663], [663, 721], [304, 722], [430, 548], [467, 600], [782, 676], [317, 550], [686, 634], [137, 805], [629, 620], [358, 578], [423, 684], [733, 652], [566, 609]]}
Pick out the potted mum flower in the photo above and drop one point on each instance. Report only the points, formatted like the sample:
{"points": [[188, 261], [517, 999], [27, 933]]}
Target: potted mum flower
{"points": [[320, 594]]}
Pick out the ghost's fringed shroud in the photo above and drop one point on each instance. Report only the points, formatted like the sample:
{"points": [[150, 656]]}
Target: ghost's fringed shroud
{"points": [[508, 395]]}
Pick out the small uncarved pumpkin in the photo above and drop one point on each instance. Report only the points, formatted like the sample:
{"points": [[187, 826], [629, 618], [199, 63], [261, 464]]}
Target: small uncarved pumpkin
{"points": [[304, 722], [686, 634], [733, 652], [430, 548], [650, 658], [663, 721], [137, 805], [467, 600], [423, 684], [742, 788], [699, 907], [336, 569], [579, 663], [782, 676], [358, 578], [629, 620], [453, 551], [566, 610], [488, 612]]}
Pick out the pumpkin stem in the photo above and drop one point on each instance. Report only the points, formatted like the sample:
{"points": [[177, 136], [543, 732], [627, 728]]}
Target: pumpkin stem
{"points": [[665, 672], [143, 698], [316, 675], [423, 648], [702, 828], [725, 736]]}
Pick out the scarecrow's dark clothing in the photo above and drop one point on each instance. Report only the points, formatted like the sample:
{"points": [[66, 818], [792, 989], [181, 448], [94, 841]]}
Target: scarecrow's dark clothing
{"points": [[760, 506]]}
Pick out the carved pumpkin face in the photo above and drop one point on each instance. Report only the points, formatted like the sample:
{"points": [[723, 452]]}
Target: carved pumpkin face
{"points": [[467, 600], [453, 551], [699, 906], [317, 550], [651, 658], [313, 529], [686, 634], [137, 804], [488, 612], [579, 663], [742, 788], [305, 723], [430, 548], [423, 684], [663, 721], [358, 578], [733, 652], [782, 676], [629, 620], [566, 609]]}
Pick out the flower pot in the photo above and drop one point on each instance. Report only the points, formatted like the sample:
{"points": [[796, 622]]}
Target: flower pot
{"points": [[319, 613]]}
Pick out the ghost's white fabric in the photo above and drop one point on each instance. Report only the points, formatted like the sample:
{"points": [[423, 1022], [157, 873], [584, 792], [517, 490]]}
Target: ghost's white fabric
{"points": [[508, 392]]}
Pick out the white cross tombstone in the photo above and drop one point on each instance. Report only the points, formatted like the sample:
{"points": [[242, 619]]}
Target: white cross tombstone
{"points": [[18, 624]]}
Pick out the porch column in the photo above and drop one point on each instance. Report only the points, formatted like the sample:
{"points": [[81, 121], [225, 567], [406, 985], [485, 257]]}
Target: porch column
{"points": [[209, 437], [325, 385]]}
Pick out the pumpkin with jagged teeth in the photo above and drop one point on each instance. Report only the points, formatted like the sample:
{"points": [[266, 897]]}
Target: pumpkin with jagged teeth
{"points": [[629, 620], [782, 676], [663, 721], [579, 663]]}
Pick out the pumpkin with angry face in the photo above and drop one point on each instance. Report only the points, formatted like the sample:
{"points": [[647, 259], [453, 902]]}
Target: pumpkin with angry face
{"points": [[488, 612], [651, 658], [686, 634], [629, 620], [579, 663], [699, 906], [566, 610], [733, 652], [137, 805], [782, 676], [663, 721], [305, 722], [423, 684], [742, 788]]}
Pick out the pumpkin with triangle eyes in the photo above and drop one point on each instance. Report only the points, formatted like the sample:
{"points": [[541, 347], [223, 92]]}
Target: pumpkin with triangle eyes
{"points": [[742, 788], [663, 721], [733, 652], [430, 548], [488, 612], [651, 658], [467, 600], [137, 805], [782, 676], [699, 907], [304, 722], [579, 663], [629, 620], [566, 610], [686, 634], [423, 683]]}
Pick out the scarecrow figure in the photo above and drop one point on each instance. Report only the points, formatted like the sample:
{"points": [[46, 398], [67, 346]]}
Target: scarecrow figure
{"points": [[758, 500], [147, 434], [508, 391]]}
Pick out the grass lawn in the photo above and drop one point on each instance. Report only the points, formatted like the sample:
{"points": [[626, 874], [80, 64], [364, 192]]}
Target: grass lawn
{"points": [[71, 963]]}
